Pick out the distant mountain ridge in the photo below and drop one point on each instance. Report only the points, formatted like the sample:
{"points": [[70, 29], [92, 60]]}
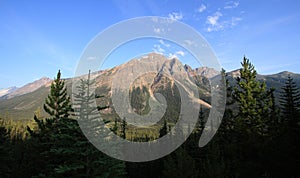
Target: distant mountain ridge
{"points": [[7, 91], [21, 103], [28, 88]]}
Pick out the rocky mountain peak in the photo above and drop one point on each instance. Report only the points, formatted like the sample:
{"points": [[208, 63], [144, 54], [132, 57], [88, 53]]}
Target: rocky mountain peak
{"points": [[6, 91], [30, 87]]}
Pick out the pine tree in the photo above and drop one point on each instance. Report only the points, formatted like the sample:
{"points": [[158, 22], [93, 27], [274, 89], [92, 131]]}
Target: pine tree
{"points": [[274, 120], [64, 149], [123, 128], [5, 151], [290, 101], [58, 104], [179, 164], [290, 107], [201, 119], [164, 130], [250, 124], [251, 96], [82, 159]]}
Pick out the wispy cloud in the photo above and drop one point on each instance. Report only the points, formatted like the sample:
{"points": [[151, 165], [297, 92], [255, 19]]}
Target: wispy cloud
{"points": [[176, 54], [181, 53], [158, 30], [91, 58], [175, 16], [213, 20], [158, 49], [201, 8], [235, 20], [215, 24], [189, 42], [231, 5], [162, 42], [171, 55]]}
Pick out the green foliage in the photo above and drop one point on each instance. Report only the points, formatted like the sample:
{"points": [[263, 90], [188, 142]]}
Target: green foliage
{"points": [[290, 131], [58, 104], [63, 148], [201, 120], [164, 130], [4, 151], [251, 96], [139, 99], [179, 164], [290, 101], [123, 128], [253, 140]]}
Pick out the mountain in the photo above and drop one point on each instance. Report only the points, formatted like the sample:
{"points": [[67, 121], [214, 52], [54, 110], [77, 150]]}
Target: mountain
{"points": [[158, 72], [276, 81], [7, 91], [28, 88], [24, 101]]}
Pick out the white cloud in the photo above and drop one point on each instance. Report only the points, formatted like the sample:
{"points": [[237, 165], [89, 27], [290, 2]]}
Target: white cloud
{"points": [[172, 55], [201, 8], [214, 23], [235, 20], [181, 53], [158, 30], [176, 54], [91, 58], [158, 49], [213, 20], [162, 42], [189, 42], [175, 16], [231, 5]]}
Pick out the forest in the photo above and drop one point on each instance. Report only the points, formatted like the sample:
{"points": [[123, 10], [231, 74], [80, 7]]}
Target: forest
{"points": [[258, 137]]}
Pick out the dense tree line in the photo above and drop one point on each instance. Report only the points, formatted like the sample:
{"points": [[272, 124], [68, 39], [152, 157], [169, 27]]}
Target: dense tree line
{"points": [[258, 137]]}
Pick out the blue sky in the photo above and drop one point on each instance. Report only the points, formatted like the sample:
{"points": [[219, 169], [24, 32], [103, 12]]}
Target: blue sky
{"points": [[39, 37]]}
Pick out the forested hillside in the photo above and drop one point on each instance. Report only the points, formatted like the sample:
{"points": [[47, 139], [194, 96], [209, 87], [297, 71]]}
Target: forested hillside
{"points": [[258, 135]]}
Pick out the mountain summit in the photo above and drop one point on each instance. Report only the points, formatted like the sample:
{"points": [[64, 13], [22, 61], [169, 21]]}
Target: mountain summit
{"points": [[7, 91], [21, 103], [28, 88]]}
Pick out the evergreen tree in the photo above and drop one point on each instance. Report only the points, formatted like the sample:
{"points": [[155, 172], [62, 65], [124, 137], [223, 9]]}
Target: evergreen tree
{"points": [[164, 130], [290, 102], [5, 151], [274, 119], [179, 164], [123, 128], [64, 149], [250, 124], [82, 158], [251, 96], [58, 104], [290, 107], [201, 120]]}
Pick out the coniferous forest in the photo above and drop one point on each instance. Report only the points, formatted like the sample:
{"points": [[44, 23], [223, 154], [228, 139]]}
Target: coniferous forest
{"points": [[258, 137]]}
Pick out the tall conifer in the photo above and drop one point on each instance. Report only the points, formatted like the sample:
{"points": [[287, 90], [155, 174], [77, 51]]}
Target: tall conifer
{"points": [[58, 104]]}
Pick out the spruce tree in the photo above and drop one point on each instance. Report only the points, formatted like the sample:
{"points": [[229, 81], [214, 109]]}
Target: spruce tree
{"points": [[82, 159], [290, 105], [123, 128], [5, 151], [62, 146], [58, 104], [290, 101], [201, 119], [164, 130], [251, 96], [274, 120]]}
